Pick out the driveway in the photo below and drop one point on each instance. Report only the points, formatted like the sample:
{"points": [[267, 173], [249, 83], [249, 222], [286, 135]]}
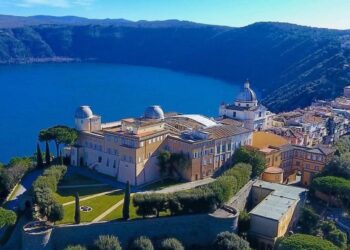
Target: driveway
{"points": [[26, 184]]}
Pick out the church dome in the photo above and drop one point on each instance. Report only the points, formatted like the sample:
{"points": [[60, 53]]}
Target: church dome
{"points": [[83, 112], [247, 94], [154, 112]]}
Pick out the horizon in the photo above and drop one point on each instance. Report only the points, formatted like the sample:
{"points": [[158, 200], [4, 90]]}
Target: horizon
{"points": [[238, 13]]}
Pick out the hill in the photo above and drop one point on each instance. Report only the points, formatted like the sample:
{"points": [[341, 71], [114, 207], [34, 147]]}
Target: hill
{"points": [[289, 64]]}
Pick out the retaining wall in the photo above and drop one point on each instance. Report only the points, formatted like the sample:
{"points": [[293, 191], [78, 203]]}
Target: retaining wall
{"points": [[190, 229]]}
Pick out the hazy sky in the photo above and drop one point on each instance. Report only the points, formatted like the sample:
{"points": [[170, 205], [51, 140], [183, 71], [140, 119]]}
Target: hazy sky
{"points": [[318, 13]]}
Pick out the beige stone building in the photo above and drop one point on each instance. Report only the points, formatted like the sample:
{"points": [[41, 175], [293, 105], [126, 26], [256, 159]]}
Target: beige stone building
{"points": [[128, 149]]}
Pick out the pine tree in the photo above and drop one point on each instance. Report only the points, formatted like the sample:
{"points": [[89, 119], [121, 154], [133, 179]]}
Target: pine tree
{"points": [[39, 157], [47, 154], [126, 202], [77, 209]]}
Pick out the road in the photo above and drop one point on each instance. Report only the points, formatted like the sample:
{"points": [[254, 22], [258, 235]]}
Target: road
{"points": [[26, 184]]}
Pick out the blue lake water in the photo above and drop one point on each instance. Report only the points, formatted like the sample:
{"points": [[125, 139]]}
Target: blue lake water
{"points": [[37, 96]]}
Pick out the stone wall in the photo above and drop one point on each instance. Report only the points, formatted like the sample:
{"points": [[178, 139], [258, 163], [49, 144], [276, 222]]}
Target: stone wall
{"points": [[242, 198], [190, 229]]}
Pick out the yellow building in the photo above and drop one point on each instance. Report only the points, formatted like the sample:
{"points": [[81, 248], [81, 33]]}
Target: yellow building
{"points": [[273, 174], [269, 145], [275, 212], [127, 150]]}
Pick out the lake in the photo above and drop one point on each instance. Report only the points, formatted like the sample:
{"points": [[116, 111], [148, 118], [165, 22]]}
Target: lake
{"points": [[37, 96]]}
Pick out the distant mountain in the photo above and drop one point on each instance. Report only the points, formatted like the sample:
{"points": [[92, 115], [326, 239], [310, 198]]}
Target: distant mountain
{"points": [[289, 64]]}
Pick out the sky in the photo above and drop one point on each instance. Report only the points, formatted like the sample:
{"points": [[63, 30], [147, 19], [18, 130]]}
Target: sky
{"points": [[237, 13]]}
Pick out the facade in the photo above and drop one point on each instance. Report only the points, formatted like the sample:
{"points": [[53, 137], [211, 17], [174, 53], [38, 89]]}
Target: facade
{"points": [[275, 212], [127, 150], [306, 161], [269, 145], [247, 110]]}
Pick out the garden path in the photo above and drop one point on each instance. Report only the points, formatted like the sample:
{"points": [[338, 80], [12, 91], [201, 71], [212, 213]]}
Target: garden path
{"points": [[92, 196], [108, 211]]}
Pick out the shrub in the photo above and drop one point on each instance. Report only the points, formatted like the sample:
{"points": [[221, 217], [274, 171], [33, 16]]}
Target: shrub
{"points": [[75, 247], [43, 189], [197, 200], [7, 217], [171, 244], [243, 222], [107, 242], [252, 157], [304, 241], [230, 241], [141, 243], [56, 212]]}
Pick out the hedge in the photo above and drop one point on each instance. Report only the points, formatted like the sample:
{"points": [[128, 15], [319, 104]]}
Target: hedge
{"points": [[197, 200], [44, 188], [7, 217]]}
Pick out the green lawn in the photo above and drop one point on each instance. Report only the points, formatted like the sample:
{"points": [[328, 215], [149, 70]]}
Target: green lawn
{"points": [[98, 204], [162, 184], [118, 213], [76, 179], [64, 195]]}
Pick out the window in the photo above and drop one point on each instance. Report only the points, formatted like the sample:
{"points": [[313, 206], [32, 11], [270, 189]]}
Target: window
{"points": [[297, 163], [149, 141], [260, 114], [234, 114], [229, 146], [218, 149], [210, 160], [99, 159], [114, 163], [223, 148], [107, 162], [141, 144]]}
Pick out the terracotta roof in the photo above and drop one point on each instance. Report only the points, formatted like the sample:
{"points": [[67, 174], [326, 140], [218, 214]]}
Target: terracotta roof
{"points": [[223, 131], [272, 170]]}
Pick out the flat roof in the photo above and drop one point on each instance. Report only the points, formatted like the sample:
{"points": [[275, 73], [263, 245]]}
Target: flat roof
{"points": [[278, 202], [205, 121], [280, 189], [273, 207]]}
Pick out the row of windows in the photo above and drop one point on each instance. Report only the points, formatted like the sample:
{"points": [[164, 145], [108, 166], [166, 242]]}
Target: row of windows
{"points": [[198, 154], [153, 140], [301, 154]]}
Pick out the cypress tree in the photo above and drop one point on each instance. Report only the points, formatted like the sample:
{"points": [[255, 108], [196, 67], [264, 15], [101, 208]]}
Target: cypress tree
{"points": [[39, 157], [47, 154], [126, 202], [77, 209]]}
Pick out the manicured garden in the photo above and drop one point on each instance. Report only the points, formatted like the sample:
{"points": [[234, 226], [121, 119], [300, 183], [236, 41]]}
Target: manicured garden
{"points": [[77, 179], [98, 204], [64, 195]]}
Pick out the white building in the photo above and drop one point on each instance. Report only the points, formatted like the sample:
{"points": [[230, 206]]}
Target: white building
{"points": [[247, 110]]}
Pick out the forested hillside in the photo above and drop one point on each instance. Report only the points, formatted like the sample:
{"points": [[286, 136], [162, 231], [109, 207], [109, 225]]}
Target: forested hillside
{"points": [[289, 65]]}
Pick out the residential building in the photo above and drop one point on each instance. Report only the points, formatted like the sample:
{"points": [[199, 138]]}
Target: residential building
{"points": [[304, 161]]}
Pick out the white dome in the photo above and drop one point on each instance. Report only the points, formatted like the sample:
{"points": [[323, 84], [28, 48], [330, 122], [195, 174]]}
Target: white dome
{"points": [[83, 112], [154, 112], [247, 94]]}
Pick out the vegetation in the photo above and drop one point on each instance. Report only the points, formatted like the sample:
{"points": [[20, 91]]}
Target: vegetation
{"points": [[64, 195], [44, 188], [39, 157], [171, 164], [336, 186], [252, 157], [304, 241], [230, 241], [98, 204], [339, 166], [126, 203], [47, 154], [198, 200], [171, 244], [243, 223], [75, 247], [308, 221], [331, 233], [141, 243], [77, 209], [59, 135], [13, 172], [107, 242], [7, 217]]}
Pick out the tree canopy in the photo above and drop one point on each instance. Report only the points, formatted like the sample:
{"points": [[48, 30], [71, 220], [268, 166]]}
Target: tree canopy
{"points": [[304, 241], [59, 135], [230, 241], [252, 157], [171, 164], [7, 217]]}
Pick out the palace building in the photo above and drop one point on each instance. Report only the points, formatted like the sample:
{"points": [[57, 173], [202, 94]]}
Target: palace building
{"points": [[128, 149], [247, 109]]}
